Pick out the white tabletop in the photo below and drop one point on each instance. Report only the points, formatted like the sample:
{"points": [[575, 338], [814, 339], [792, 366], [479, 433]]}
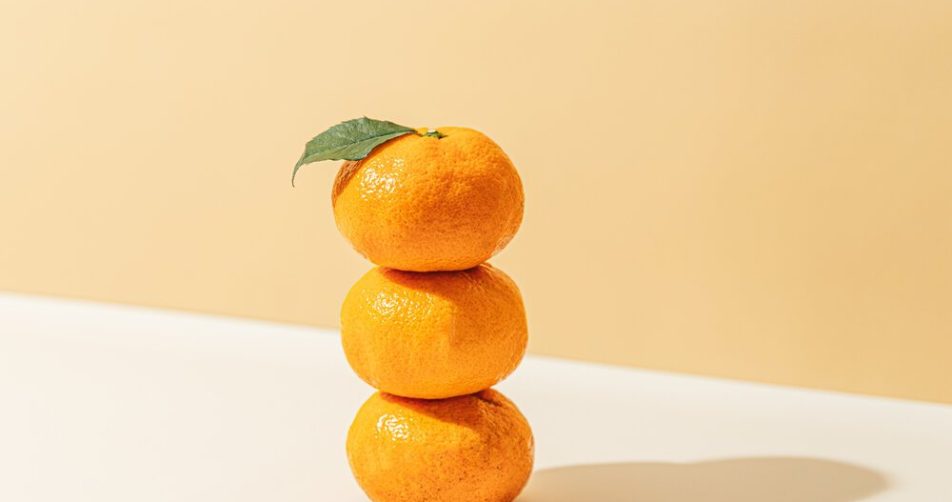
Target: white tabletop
{"points": [[109, 403]]}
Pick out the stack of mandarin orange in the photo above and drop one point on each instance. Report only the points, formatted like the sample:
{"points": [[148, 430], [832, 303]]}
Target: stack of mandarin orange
{"points": [[433, 326]]}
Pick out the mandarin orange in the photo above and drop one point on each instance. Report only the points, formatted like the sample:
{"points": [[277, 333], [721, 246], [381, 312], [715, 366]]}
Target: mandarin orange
{"points": [[475, 448], [434, 335], [448, 200]]}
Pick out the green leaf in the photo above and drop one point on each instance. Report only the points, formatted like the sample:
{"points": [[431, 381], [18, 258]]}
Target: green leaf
{"points": [[351, 140]]}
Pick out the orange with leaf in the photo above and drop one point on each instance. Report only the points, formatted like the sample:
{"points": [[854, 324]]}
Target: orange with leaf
{"points": [[420, 200]]}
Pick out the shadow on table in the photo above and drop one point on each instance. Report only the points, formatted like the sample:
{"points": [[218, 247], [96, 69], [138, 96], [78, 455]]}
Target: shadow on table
{"points": [[768, 479]]}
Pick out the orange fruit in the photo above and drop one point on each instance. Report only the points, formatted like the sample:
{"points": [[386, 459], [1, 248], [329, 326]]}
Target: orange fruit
{"points": [[475, 448], [424, 203], [434, 335]]}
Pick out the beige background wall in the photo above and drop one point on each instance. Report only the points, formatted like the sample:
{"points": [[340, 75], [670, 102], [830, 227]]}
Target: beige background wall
{"points": [[750, 189]]}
